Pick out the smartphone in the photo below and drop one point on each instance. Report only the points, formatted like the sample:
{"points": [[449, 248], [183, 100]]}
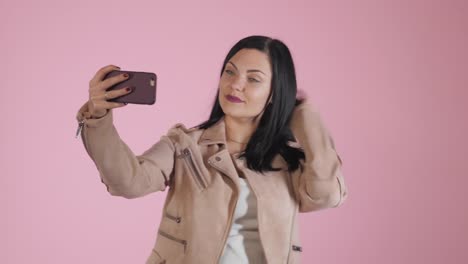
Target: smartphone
{"points": [[144, 84]]}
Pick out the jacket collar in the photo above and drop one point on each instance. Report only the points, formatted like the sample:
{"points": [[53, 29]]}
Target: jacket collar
{"points": [[215, 134]]}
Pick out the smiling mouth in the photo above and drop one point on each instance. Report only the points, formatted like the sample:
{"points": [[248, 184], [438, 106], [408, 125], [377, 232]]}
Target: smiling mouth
{"points": [[233, 99]]}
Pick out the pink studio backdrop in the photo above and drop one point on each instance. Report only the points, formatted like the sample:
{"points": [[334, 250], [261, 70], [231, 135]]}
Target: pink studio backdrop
{"points": [[389, 77]]}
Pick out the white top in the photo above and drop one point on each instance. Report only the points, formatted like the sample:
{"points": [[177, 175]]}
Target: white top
{"points": [[243, 243]]}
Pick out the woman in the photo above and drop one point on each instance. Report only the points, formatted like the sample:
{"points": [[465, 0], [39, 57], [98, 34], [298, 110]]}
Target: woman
{"points": [[236, 181]]}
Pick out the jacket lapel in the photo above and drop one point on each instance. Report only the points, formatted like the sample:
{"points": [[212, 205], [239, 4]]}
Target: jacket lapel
{"points": [[221, 160], [215, 134]]}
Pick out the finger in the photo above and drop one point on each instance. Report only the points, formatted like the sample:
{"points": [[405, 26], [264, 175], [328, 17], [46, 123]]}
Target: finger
{"points": [[101, 73], [109, 82], [115, 93], [110, 105]]}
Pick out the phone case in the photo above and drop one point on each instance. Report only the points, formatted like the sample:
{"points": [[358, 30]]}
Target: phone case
{"points": [[144, 84]]}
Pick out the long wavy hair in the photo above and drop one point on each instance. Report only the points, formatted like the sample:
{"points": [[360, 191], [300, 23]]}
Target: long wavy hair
{"points": [[273, 133]]}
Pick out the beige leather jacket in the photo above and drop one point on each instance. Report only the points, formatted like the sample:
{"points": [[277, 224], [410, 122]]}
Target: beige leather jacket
{"points": [[202, 181]]}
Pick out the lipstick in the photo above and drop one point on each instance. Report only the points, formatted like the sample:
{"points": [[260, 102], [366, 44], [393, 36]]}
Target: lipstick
{"points": [[233, 99]]}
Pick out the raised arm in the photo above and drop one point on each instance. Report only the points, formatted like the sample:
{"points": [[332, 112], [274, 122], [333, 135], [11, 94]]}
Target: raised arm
{"points": [[124, 173], [319, 183]]}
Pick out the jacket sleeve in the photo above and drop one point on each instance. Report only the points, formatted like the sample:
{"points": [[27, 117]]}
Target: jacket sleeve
{"points": [[124, 173], [319, 182]]}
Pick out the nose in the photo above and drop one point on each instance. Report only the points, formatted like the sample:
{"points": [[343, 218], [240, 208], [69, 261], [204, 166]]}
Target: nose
{"points": [[238, 84]]}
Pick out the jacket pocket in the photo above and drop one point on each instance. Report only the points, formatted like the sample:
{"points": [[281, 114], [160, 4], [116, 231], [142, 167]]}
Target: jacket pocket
{"points": [[155, 258], [187, 156], [180, 243], [176, 219]]}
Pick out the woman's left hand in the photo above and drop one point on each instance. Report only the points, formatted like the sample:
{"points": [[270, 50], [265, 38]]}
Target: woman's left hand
{"points": [[304, 119]]}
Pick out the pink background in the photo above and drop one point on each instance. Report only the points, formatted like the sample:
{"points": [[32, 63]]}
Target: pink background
{"points": [[390, 78]]}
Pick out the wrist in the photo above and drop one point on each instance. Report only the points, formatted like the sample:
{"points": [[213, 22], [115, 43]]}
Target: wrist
{"points": [[96, 116]]}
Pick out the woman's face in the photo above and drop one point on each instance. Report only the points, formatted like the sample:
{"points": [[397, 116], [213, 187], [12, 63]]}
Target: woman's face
{"points": [[247, 76]]}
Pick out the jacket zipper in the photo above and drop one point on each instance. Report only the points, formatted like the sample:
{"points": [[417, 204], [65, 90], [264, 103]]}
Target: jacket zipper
{"points": [[297, 248], [178, 240], [175, 218], [259, 226], [79, 131], [289, 179], [258, 217], [188, 157], [231, 218], [80, 127]]}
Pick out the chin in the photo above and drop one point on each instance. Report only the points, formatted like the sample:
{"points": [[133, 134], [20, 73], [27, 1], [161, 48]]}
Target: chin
{"points": [[238, 115], [232, 113], [235, 110]]}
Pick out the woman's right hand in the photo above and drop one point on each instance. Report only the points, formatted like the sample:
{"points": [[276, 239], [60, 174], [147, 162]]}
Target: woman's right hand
{"points": [[97, 103]]}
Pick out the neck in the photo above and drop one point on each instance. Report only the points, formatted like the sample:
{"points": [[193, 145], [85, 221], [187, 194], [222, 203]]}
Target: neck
{"points": [[239, 130]]}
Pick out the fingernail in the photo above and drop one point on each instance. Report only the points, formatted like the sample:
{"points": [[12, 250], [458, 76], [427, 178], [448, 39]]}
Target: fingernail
{"points": [[128, 89], [125, 75]]}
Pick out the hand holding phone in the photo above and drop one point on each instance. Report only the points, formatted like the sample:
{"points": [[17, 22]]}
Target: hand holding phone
{"points": [[112, 88], [143, 84]]}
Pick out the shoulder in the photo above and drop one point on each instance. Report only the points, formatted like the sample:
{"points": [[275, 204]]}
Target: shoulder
{"points": [[179, 132]]}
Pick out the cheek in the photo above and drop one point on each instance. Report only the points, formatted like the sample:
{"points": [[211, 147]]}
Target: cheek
{"points": [[221, 94], [222, 85], [258, 96]]}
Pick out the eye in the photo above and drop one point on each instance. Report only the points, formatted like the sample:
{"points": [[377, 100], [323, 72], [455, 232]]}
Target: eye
{"points": [[228, 71], [255, 80]]}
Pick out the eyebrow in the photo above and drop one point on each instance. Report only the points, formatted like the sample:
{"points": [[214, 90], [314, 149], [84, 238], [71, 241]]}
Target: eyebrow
{"points": [[253, 70]]}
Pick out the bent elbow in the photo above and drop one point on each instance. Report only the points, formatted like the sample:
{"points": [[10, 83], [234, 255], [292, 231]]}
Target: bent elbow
{"points": [[318, 195], [309, 204], [343, 193], [126, 192], [126, 195]]}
